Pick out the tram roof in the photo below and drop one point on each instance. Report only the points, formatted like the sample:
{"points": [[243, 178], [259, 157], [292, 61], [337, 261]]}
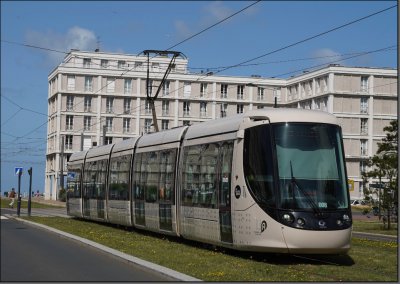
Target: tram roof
{"points": [[127, 144], [99, 151], [163, 137], [275, 115], [78, 156]]}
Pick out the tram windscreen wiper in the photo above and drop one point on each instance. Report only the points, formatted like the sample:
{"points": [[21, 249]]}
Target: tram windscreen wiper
{"points": [[308, 197]]}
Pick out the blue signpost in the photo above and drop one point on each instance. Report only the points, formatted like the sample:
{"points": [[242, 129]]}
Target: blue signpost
{"points": [[18, 172]]}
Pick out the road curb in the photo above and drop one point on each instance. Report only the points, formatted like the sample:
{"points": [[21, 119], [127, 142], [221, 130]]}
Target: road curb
{"points": [[161, 269]]}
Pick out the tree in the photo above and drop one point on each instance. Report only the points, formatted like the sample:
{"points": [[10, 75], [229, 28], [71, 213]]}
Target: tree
{"points": [[383, 165]]}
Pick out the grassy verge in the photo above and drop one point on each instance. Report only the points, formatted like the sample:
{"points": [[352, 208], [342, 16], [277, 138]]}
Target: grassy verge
{"points": [[24, 204], [366, 261], [375, 227]]}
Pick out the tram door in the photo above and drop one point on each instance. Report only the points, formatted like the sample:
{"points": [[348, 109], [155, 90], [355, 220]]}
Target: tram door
{"points": [[224, 200]]}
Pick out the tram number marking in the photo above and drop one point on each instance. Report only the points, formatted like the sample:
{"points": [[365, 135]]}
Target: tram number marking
{"points": [[263, 226]]}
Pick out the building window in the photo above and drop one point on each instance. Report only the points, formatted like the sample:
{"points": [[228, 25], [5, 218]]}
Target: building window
{"points": [[147, 125], [127, 105], [109, 140], [203, 109], [203, 90], [260, 94], [109, 124], [138, 65], [362, 167], [88, 83], [110, 85], [127, 86], [71, 83], [126, 125], [155, 67], [87, 122], [70, 103], [224, 91], [239, 109], [86, 62], [149, 88], [224, 107], [364, 83], [318, 81], [165, 107], [186, 123], [186, 108], [88, 104], [187, 89], [121, 64], [364, 105], [164, 124], [109, 105], [364, 147], [104, 63], [260, 107], [277, 94], [240, 91], [309, 90], [317, 104], [68, 142], [147, 108], [166, 88], [364, 126], [69, 123]]}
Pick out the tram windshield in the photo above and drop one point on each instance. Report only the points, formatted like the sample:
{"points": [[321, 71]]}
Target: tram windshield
{"points": [[309, 161]]}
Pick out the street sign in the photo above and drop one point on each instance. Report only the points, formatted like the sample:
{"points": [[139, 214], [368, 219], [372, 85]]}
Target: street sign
{"points": [[18, 170]]}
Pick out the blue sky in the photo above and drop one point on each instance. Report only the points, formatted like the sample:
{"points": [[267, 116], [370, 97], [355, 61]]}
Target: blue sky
{"points": [[133, 26]]}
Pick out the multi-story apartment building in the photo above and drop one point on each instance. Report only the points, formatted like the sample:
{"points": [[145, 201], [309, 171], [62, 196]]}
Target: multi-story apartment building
{"points": [[99, 98]]}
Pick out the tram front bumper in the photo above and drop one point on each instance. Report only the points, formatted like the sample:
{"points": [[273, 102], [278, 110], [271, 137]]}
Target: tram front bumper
{"points": [[317, 242]]}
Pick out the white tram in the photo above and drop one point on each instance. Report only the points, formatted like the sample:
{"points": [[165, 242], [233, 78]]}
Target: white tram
{"points": [[270, 180]]}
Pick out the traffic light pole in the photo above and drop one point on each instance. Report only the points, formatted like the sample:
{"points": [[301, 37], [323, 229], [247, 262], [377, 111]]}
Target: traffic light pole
{"points": [[30, 191]]}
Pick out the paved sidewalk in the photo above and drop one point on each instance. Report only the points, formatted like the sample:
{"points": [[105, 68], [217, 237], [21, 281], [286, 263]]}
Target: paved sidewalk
{"points": [[160, 269]]}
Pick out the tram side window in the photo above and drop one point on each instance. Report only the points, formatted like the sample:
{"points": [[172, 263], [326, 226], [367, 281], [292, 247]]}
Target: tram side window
{"points": [[258, 167], [191, 169], [90, 180], [200, 175], [101, 179], [152, 167], [119, 177], [138, 189], [226, 168], [73, 183], [167, 175]]}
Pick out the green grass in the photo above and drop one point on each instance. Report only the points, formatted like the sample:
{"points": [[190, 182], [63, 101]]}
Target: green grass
{"points": [[374, 227], [24, 204], [366, 261]]}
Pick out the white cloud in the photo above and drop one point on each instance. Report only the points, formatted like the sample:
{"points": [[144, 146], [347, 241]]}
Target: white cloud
{"points": [[326, 55], [76, 37], [182, 29], [215, 11], [209, 15]]}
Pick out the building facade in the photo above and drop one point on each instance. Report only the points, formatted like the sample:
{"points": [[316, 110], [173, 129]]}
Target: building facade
{"points": [[97, 98]]}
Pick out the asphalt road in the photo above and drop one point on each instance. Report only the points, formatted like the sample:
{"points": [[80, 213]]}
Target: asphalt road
{"points": [[32, 254]]}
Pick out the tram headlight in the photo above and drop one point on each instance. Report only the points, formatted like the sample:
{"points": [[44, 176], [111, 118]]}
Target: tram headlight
{"points": [[339, 222], [346, 218], [288, 217], [301, 221]]}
